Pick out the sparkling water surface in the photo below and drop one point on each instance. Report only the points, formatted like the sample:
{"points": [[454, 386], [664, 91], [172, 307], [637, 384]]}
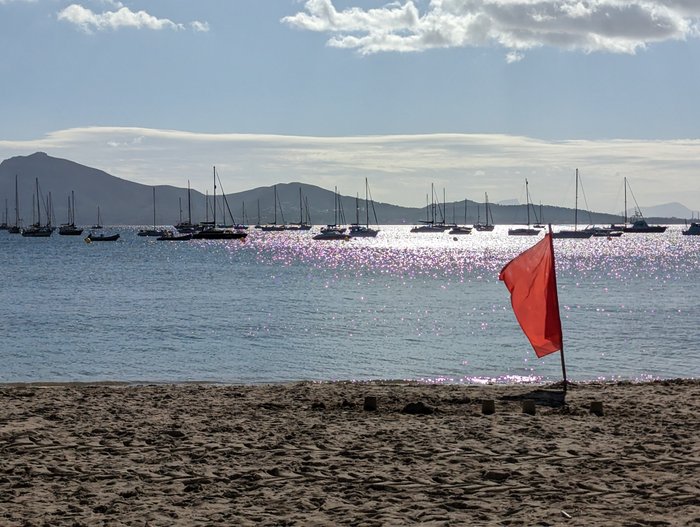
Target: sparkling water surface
{"points": [[280, 306]]}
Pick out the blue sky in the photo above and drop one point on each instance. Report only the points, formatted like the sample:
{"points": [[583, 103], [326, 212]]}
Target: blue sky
{"points": [[473, 96]]}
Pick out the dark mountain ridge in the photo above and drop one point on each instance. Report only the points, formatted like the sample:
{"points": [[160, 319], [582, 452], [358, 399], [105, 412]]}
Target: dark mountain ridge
{"points": [[124, 202]]}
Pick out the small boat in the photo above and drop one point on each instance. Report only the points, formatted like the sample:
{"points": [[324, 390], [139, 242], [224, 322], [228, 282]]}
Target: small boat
{"points": [[364, 231], [637, 223], [274, 226], [329, 234], [186, 227], [430, 224], [152, 232], [525, 231], [97, 225], [37, 230], [693, 230], [15, 229], [170, 236], [574, 234], [461, 229], [488, 226], [92, 237], [304, 223], [4, 226], [210, 230], [69, 229]]}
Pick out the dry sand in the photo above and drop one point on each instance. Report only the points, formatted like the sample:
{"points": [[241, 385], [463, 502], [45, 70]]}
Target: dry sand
{"points": [[309, 454]]}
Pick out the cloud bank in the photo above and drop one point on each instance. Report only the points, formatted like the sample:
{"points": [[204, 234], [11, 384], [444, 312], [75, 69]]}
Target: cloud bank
{"points": [[122, 17], [400, 168], [614, 26]]}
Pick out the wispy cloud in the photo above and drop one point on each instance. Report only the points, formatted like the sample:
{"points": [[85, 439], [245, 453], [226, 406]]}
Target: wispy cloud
{"points": [[123, 17], [613, 26], [400, 167]]}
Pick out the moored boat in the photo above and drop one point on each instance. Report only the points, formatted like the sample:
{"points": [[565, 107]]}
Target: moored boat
{"points": [[693, 230], [101, 237]]}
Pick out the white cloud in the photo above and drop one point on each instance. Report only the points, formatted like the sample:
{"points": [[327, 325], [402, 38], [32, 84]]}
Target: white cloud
{"points": [[615, 26], [400, 167], [122, 17]]}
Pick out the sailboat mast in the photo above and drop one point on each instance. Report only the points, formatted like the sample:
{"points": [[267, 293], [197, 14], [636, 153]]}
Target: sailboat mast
{"points": [[367, 201], [576, 203], [625, 200], [154, 208], [16, 203], [214, 198], [527, 202], [189, 206]]}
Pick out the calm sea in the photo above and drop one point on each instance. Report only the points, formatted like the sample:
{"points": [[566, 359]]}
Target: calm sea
{"points": [[282, 307]]}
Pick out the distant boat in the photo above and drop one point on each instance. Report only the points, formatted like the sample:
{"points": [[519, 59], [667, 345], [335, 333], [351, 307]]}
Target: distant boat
{"points": [[330, 234], [430, 224], [186, 226], [4, 226], [15, 229], [274, 226], [364, 231], [335, 230], [462, 229], [525, 231], [98, 225], [37, 230], [574, 234], [488, 226], [693, 230], [210, 231], [92, 237], [637, 223], [304, 217], [152, 232], [170, 236], [69, 229]]}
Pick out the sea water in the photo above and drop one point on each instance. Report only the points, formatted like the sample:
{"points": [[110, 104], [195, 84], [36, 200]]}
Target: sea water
{"points": [[280, 306]]}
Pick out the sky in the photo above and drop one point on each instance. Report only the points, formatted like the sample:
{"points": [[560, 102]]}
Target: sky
{"points": [[470, 96]]}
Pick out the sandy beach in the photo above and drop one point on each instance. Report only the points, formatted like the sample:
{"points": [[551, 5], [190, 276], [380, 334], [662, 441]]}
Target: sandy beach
{"points": [[310, 454]]}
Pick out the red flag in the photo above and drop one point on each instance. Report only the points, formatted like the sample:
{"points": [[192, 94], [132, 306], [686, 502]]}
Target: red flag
{"points": [[532, 282]]}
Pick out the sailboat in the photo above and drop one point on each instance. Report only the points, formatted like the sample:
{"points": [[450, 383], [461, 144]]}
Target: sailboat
{"points": [[488, 226], [462, 229], [153, 231], [186, 226], [335, 230], [364, 231], [212, 231], [69, 229], [304, 223], [574, 234], [637, 222], [101, 237], [274, 227], [430, 223], [37, 230], [97, 225], [16, 229], [4, 226], [693, 230], [525, 231]]}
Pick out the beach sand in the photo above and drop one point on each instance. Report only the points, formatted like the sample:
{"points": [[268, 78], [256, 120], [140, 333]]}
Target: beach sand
{"points": [[309, 454]]}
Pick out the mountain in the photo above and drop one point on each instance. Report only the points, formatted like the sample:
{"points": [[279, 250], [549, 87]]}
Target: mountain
{"points": [[667, 210], [125, 202]]}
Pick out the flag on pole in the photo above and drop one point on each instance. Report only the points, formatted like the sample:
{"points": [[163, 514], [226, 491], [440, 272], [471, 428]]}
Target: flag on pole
{"points": [[531, 279]]}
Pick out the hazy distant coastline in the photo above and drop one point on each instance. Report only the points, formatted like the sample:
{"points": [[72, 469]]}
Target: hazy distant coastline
{"points": [[125, 202]]}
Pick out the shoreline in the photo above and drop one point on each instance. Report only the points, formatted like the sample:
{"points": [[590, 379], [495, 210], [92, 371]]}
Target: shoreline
{"points": [[307, 453]]}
